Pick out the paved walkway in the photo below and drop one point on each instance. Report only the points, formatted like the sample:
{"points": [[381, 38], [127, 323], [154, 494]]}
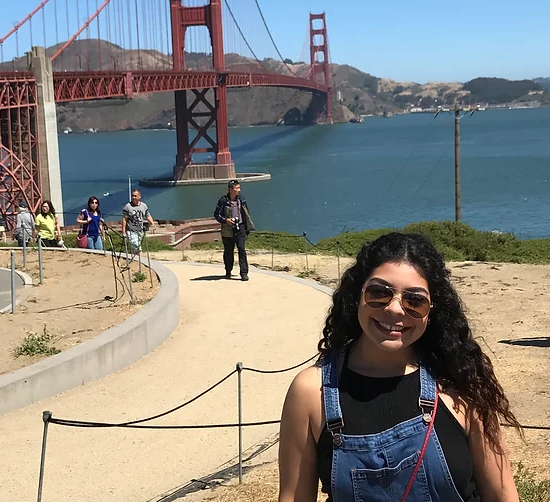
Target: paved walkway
{"points": [[268, 323], [5, 287]]}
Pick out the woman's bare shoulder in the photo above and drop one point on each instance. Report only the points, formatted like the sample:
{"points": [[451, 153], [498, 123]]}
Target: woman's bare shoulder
{"points": [[307, 383], [304, 399]]}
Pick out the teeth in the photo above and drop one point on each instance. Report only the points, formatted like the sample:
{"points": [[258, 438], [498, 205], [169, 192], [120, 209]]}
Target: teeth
{"points": [[390, 327]]}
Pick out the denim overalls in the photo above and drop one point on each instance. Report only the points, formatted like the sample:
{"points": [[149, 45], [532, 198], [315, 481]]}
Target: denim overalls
{"points": [[378, 467]]}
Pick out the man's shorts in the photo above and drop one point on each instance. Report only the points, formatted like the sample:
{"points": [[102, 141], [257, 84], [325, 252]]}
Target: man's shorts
{"points": [[134, 241]]}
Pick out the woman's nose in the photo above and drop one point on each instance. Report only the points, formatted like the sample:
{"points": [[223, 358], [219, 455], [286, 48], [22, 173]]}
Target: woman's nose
{"points": [[395, 306]]}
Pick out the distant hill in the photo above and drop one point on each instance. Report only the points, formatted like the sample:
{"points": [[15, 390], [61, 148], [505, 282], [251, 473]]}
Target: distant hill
{"points": [[544, 82], [355, 92], [499, 90]]}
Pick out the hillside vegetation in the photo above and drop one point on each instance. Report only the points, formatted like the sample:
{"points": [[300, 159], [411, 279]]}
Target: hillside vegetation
{"points": [[355, 92], [456, 241]]}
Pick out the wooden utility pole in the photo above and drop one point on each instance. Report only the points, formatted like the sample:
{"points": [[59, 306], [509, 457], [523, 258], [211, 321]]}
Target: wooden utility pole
{"points": [[457, 164], [457, 111]]}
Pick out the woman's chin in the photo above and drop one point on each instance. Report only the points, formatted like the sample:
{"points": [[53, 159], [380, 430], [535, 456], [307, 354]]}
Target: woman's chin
{"points": [[391, 345]]}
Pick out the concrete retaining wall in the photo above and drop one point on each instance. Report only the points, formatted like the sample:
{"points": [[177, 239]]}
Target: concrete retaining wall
{"points": [[112, 350]]}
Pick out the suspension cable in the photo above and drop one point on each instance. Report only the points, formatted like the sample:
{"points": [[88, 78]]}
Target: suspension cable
{"points": [[272, 40], [242, 35]]}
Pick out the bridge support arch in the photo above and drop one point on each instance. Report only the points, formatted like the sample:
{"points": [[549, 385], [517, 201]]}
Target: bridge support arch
{"points": [[29, 150]]}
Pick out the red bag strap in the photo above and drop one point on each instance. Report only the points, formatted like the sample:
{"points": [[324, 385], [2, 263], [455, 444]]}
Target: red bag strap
{"points": [[424, 446]]}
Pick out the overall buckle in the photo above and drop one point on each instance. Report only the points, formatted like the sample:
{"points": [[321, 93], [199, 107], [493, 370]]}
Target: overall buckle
{"points": [[335, 428], [427, 408]]}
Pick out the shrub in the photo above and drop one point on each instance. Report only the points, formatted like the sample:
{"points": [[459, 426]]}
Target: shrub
{"points": [[34, 344], [456, 241]]}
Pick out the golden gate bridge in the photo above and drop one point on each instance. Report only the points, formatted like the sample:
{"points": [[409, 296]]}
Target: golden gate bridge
{"points": [[116, 49]]}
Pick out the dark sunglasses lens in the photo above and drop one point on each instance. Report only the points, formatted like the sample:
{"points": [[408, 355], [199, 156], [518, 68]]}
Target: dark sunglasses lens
{"points": [[378, 296], [416, 305]]}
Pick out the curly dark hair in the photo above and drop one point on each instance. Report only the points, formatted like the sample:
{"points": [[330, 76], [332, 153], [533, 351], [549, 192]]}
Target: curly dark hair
{"points": [[447, 346]]}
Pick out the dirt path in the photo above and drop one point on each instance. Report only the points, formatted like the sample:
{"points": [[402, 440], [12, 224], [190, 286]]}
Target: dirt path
{"points": [[222, 322]]}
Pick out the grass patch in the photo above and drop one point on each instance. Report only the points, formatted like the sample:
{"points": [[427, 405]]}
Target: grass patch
{"points": [[139, 277], [305, 274], [34, 344], [148, 243], [456, 241], [529, 489], [282, 242]]}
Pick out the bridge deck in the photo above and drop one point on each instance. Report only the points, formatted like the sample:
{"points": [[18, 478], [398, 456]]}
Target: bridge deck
{"points": [[81, 86]]}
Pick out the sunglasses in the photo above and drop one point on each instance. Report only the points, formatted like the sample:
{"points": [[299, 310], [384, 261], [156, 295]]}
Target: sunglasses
{"points": [[379, 296]]}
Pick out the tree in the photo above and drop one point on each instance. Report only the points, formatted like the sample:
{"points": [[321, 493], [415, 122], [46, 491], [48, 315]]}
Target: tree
{"points": [[499, 90], [427, 102]]}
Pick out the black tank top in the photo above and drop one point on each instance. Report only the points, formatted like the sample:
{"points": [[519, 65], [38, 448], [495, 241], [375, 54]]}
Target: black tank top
{"points": [[372, 405]]}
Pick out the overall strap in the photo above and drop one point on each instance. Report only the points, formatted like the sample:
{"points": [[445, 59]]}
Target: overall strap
{"points": [[331, 397], [428, 393]]}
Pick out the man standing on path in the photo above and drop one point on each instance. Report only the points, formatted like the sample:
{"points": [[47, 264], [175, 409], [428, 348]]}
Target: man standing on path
{"points": [[232, 212], [134, 215]]}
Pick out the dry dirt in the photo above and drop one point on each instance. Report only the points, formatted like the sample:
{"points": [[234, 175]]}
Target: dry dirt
{"points": [[70, 305], [508, 306]]}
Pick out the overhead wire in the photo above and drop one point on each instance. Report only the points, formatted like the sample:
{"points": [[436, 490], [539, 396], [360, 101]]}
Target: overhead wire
{"points": [[138, 37], [272, 39], [88, 35], [44, 26], [98, 21], [243, 36], [167, 26]]}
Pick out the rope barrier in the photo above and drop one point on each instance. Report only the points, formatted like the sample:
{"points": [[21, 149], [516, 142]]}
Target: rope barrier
{"points": [[104, 425], [271, 372], [134, 423], [530, 427]]}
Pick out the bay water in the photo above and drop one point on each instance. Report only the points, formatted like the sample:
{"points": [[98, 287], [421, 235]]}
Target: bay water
{"points": [[386, 172]]}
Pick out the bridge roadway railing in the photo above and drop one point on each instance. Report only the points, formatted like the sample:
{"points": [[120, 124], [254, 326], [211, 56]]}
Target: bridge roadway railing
{"points": [[81, 86]]}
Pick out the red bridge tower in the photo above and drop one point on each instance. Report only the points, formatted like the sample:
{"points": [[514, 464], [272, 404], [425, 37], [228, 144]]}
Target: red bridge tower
{"points": [[209, 114], [319, 55]]}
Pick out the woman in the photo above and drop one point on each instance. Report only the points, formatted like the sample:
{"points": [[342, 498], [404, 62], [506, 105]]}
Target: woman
{"points": [[47, 225], [90, 219], [403, 404]]}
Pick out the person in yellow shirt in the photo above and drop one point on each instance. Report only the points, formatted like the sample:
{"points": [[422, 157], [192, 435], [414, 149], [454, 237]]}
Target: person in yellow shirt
{"points": [[47, 225]]}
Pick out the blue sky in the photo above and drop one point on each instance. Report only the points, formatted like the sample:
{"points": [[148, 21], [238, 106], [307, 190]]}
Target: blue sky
{"points": [[401, 39]]}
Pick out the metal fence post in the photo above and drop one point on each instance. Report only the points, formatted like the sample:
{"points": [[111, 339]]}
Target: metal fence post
{"points": [[46, 417], [240, 406], [129, 264], [13, 282], [272, 246], [40, 260], [24, 248], [149, 260], [305, 247], [338, 255]]}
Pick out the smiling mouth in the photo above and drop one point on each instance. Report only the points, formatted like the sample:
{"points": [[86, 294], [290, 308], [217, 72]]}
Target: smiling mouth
{"points": [[391, 328]]}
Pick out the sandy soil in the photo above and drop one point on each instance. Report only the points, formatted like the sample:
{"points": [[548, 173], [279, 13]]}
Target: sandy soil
{"points": [[508, 306], [70, 305]]}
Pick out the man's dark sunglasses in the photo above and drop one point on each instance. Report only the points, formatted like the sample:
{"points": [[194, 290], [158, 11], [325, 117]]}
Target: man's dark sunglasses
{"points": [[379, 296]]}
